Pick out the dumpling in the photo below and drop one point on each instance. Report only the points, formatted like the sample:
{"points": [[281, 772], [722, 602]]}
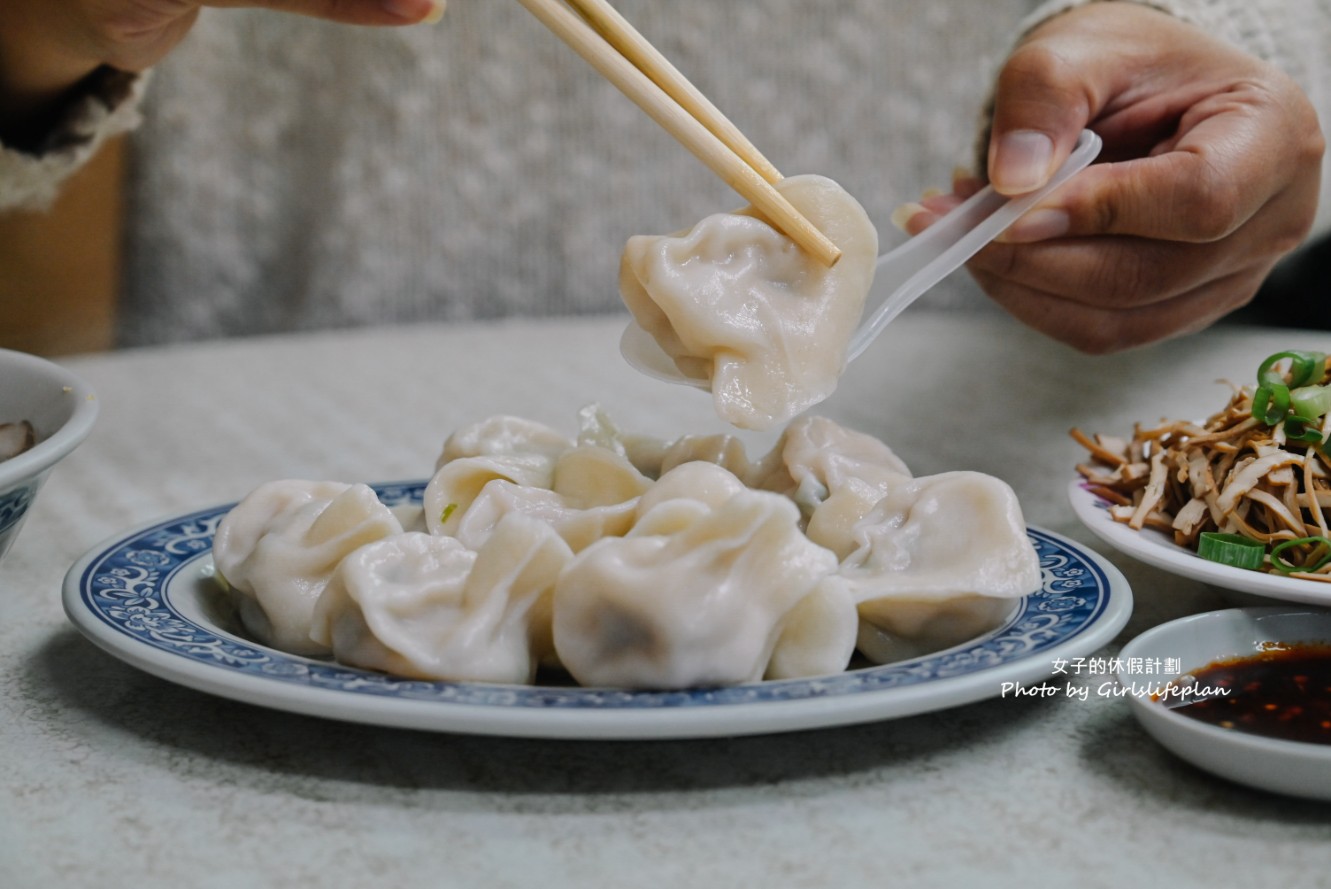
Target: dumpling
{"points": [[697, 593], [705, 482], [501, 447], [387, 597], [834, 521], [504, 435], [816, 456], [817, 459], [457, 483], [277, 548], [738, 304], [818, 635], [589, 475], [593, 471], [940, 560], [579, 528], [593, 494], [645, 452], [425, 606], [725, 451]]}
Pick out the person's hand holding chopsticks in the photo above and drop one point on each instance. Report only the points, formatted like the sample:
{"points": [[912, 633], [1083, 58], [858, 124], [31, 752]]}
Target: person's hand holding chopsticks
{"points": [[48, 47]]}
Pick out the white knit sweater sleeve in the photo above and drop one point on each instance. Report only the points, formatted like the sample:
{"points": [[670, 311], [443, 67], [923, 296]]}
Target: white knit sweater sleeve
{"points": [[1250, 24], [109, 105]]}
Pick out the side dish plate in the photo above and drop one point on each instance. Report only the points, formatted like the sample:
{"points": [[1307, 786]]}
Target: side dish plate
{"points": [[1158, 549], [148, 598]]}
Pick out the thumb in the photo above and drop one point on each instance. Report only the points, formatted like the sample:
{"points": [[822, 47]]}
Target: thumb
{"points": [[1041, 105]]}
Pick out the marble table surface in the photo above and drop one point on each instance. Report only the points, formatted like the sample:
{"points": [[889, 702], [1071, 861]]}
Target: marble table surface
{"points": [[112, 777]]}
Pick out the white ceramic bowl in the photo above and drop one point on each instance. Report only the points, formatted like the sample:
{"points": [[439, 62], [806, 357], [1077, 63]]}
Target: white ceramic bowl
{"points": [[61, 408], [1289, 767]]}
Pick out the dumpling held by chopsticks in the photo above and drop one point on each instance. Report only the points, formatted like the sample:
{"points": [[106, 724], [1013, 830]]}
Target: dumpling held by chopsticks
{"points": [[736, 303]]}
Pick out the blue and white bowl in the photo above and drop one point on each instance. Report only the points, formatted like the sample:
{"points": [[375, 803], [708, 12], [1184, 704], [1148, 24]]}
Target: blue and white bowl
{"points": [[62, 409]]}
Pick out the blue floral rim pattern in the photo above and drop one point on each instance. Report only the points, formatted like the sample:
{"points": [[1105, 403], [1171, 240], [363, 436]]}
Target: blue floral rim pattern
{"points": [[14, 503], [127, 587]]}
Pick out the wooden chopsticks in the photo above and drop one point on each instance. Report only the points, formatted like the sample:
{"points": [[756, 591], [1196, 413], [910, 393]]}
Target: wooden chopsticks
{"points": [[612, 46], [633, 46]]}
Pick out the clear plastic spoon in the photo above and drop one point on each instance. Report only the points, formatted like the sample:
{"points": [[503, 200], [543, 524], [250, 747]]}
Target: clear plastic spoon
{"points": [[906, 273]]}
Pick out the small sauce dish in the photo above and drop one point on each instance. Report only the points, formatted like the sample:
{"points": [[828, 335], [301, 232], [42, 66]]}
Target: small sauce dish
{"points": [[61, 409], [1260, 667]]}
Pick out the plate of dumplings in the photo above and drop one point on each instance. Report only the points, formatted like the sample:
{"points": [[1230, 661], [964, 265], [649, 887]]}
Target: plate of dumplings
{"points": [[606, 587]]}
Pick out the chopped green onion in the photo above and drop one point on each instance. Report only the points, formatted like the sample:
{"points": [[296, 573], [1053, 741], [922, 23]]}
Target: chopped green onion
{"points": [[1234, 550], [1299, 402], [1286, 568], [1270, 403], [1299, 429], [1304, 367], [448, 511], [1310, 402]]}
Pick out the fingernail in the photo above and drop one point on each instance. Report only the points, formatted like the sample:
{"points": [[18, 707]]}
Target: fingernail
{"points": [[901, 215], [1021, 163], [1038, 225], [931, 193], [423, 11]]}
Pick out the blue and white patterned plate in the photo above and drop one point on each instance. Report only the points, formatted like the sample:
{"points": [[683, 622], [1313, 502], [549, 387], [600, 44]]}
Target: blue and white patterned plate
{"points": [[149, 599]]}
